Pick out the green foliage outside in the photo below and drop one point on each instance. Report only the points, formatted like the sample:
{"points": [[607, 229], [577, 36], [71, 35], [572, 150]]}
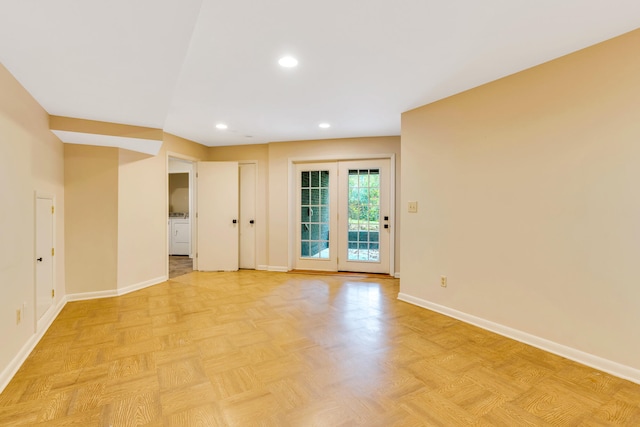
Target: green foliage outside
{"points": [[364, 201]]}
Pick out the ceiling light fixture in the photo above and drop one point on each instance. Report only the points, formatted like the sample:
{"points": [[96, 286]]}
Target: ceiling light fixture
{"points": [[288, 62], [221, 126], [324, 125]]}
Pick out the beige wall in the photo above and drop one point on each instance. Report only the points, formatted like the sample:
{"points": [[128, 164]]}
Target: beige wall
{"points": [[31, 159], [179, 192], [142, 214], [281, 153], [528, 201], [118, 204], [91, 217], [183, 148], [142, 219], [260, 155]]}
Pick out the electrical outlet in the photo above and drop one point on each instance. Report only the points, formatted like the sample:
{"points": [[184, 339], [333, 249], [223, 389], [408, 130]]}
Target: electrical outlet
{"points": [[443, 281], [18, 316], [413, 207]]}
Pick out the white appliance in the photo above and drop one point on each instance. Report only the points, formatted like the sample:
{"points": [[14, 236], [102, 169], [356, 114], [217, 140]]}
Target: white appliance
{"points": [[179, 234]]}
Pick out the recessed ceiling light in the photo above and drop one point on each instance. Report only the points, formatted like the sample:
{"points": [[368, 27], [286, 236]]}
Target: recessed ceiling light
{"points": [[221, 126], [288, 62], [324, 125]]}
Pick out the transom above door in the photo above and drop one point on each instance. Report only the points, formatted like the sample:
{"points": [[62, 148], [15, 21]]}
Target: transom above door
{"points": [[343, 216]]}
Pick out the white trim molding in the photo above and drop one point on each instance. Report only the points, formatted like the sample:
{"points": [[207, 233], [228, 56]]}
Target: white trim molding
{"points": [[596, 362], [141, 285], [92, 295], [396, 275], [278, 268], [116, 292]]}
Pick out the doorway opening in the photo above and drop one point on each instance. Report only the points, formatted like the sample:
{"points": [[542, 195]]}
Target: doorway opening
{"points": [[179, 222]]}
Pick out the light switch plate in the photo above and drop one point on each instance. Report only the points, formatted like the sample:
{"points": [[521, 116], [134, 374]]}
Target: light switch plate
{"points": [[413, 207]]}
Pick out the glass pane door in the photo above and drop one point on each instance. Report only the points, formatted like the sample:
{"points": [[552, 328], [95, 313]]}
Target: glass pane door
{"points": [[364, 215], [316, 212]]}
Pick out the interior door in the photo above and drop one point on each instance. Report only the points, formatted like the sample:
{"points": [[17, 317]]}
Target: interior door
{"points": [[247, 216], [44, 255], [217, 216], [316, 216], [365, 216]]}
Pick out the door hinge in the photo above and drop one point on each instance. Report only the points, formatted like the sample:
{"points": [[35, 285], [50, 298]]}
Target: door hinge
{"points": [[53, 293], [53, 251], [196, 175], [196, 254], [53, 209]]}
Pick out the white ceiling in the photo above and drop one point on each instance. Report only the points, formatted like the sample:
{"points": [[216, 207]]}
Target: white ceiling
{"points": [[186, 65]]}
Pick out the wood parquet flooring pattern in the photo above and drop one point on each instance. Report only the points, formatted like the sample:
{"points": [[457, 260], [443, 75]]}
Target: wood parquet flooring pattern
{"points": [[275, 349]]}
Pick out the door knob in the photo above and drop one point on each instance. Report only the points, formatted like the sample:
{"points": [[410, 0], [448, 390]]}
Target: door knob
{"points": [[235, 221], [251, 221], [39, 259]]}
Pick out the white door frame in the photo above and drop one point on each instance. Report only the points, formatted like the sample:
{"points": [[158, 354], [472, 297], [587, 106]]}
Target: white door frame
{"points": [[38, 324], [291, 200]]}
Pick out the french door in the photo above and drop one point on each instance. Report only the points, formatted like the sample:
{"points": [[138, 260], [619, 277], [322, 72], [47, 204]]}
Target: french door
{"points": [[343, 216]]}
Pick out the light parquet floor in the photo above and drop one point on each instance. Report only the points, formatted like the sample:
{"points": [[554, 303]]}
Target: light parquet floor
{"points": [[276, 349]]}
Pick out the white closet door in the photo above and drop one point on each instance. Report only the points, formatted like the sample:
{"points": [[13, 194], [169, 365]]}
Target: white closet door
{"points": [[44, 255], [217, 216]]}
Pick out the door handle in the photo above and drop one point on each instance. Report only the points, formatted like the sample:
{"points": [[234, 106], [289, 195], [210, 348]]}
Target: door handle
{"points": [[251, 221], [235, 221], [39, 259]]}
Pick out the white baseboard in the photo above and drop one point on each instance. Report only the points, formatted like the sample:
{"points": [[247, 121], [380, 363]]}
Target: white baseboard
{"points": [[7, 374], [141, 285], [116, 292], [596, 362], [396, 274], [262, 268], [278, 268], [92, 295]]}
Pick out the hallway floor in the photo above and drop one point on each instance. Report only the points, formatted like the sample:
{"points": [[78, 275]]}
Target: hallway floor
{"points": [[179, 265]]}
